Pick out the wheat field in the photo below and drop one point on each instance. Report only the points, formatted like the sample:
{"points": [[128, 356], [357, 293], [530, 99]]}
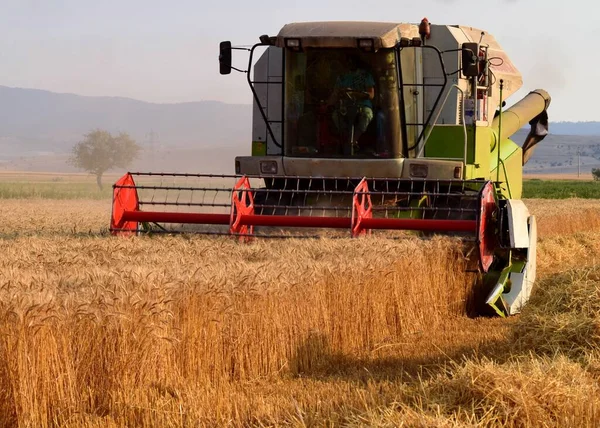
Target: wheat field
{"points": [[182, 331]]}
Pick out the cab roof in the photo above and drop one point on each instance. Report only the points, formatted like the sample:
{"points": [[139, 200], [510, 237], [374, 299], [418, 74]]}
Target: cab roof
{"points": [[345, 34]]}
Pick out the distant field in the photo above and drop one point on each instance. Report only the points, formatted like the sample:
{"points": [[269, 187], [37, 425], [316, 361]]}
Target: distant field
{"points": [[580, 177], [24, 185], [561, 189], [19, 185], [52, 190]]}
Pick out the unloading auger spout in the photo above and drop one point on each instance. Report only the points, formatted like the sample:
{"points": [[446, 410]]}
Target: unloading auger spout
{"points": [[531, 109]]}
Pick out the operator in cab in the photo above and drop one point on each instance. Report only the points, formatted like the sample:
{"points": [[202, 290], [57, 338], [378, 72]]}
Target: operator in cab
{"points": [[353, 108]]}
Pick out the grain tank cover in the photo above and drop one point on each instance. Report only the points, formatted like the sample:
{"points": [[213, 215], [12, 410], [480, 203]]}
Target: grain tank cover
{"points": [[342, 34]]}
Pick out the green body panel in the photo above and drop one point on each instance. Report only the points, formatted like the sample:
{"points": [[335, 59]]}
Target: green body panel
{"points": [[478, 161], [259, 148], [481, 165], [447, 142], [496, 300], [511, 169]]}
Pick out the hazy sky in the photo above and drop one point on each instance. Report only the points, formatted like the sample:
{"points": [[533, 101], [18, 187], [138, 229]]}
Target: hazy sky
{"points": [[167, 51]]}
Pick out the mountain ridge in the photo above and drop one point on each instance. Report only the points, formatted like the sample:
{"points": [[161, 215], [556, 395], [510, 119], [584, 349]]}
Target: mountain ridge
{"points": [[62, 119]]}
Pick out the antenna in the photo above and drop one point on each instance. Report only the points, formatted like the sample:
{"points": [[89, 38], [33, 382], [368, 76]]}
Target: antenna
{"points": [[481, 38]]}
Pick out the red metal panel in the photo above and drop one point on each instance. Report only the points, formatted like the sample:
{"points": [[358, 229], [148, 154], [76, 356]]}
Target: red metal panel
{"points": [[296, 221], [486, 234], [362, 208], [242, 204], [303, 221], [184, 218], [420, 224], [124, 199]]}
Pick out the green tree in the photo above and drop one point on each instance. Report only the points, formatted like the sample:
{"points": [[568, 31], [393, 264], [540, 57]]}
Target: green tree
{"points": [[596, 173], [100, 151]]}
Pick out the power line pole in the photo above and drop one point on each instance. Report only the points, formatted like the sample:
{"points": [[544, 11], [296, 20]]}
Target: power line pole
{"points": [[578, 162]]}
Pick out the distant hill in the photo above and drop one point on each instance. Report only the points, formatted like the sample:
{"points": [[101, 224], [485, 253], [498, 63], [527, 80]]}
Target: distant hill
{"points": [[36, 123], [574, 128], [563, 154], [38, 129]]}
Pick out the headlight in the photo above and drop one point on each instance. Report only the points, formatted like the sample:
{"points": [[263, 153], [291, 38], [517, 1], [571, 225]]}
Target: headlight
{"points": [[418, 170], [292, 43], [404, 42], [268, 167], [365, 44]]}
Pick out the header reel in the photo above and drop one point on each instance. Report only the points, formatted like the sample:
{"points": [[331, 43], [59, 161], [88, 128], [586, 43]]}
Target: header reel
{"points": [[284, 206]]}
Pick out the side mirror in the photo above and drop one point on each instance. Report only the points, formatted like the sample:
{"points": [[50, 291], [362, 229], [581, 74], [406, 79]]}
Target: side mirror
{"points": [[225, 57], [470, 65]]}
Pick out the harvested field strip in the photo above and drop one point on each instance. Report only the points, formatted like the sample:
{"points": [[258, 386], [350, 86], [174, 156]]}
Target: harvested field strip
{"points": [[565, 217]]}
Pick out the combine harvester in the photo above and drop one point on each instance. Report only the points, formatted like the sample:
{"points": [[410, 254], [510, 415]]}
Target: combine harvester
{"points": [[369, 126]]}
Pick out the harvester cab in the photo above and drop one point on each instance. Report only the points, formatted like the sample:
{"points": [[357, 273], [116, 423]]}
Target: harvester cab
{"points": [[363, 126]]}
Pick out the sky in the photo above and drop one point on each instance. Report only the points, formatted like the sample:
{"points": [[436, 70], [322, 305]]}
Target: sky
{"points": [[166, 52]]}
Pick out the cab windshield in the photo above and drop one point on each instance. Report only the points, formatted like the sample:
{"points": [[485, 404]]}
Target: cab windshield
{"points": [[342, 103]]}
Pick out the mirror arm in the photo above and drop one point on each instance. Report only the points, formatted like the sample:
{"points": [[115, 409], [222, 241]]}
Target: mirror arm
{"points": [[239, 49]]}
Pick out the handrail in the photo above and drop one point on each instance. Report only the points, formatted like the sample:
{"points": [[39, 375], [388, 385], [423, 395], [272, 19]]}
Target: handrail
{"points": [[505, 177], [437, 99], [464, 125], [256, 98]]}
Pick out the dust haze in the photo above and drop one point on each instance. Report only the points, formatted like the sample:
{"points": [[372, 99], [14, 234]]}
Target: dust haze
{"points": [[40, 128]]}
